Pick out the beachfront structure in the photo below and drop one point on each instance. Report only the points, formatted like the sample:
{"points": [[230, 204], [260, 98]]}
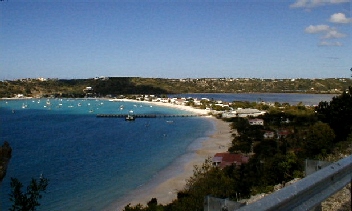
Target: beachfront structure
{"points": [[232, 114], [227, 159], [178, 101], [247, 112]]}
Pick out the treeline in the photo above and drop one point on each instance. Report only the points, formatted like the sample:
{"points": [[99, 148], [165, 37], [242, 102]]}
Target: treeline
{"points": [[300, 133], [115, 86], [5, 155]]}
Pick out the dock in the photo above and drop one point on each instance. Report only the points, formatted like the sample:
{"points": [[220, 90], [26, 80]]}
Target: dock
{"points": [[149, 115]]}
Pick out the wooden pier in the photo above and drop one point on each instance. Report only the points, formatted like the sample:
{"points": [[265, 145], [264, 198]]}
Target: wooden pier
{"points": [[148, 115]]}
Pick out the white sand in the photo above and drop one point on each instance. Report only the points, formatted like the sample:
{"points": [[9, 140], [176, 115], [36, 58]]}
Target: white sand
{"points": [[168, 182], [170, 105]]}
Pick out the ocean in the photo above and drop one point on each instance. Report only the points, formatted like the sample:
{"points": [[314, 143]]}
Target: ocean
{"points": [[92, 162]]}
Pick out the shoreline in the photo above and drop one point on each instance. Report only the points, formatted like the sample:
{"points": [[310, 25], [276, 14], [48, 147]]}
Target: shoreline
{"points": [[165, 185], [169, 105]]}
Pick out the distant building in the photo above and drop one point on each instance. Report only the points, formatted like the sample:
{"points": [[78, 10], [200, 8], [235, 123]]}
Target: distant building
{"points": [[256, 121], [269, 134], [249, 112], [227, 159], [229, 115], [88, 88], [179, 101], [283, 133]]}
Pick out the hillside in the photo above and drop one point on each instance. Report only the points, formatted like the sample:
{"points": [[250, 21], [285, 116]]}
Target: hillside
{"points": [[114, 86]]}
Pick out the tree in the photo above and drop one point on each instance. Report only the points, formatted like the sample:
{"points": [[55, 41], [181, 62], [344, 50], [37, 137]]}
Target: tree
{"points": [[5, 155], [27, 201], [338, 114], [206, 180], [319, 139]]}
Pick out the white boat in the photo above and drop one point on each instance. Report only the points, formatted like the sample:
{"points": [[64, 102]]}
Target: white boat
{"points": [[130, 116]]}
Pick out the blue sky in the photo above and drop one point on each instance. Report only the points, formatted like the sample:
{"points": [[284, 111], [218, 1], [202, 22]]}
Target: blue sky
{"points": [[175, 39]]}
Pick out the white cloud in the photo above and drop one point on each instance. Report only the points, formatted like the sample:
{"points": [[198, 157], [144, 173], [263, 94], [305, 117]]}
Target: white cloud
{"points": [[315, 3], [325, 43], [333, 33], [299, 3], [329, 32], [340, 18], [317, 29]]}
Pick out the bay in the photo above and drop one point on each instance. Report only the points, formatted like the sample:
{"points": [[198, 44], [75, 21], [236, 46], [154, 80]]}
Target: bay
{"points": [[92, 162]]}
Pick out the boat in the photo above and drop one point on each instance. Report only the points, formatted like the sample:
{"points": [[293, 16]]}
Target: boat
{"points": [[130, 116]]}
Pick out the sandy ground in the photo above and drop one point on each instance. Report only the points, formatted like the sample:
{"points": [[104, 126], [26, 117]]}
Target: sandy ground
{"points": [[168, 182], [170, 105]]}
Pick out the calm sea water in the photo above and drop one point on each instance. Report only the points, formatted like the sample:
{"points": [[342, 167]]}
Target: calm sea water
{"points": [[91, 162], [293, 99]]}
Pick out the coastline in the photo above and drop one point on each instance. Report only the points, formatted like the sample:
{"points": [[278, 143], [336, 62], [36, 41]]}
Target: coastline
{"points": [[165, 185], [179, 107]]}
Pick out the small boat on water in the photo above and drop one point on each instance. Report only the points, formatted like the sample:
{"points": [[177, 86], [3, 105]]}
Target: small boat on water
{"points": [[130, 116]]}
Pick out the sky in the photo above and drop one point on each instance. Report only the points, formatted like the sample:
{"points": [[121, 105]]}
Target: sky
{"points": [[175, 39]]}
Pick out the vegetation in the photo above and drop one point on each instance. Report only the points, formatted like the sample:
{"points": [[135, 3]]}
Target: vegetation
{"points": [[115, 86], [29, 200], [338, 114], [21, 201], [5, 155], [301, 132]]}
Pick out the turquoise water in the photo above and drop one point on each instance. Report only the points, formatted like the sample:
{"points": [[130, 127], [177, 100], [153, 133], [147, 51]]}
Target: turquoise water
{"points": [[91, 162]]}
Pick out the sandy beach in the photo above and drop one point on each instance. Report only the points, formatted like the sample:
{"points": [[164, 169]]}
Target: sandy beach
{"points": [[165, 185]]}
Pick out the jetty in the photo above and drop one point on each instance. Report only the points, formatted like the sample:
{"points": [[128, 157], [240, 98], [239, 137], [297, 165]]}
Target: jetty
{"points": [[149, 115]]}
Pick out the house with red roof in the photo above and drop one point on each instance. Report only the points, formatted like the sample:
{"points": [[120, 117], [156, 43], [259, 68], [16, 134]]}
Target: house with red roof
{"points": [[283, 133], [227, 159]]}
